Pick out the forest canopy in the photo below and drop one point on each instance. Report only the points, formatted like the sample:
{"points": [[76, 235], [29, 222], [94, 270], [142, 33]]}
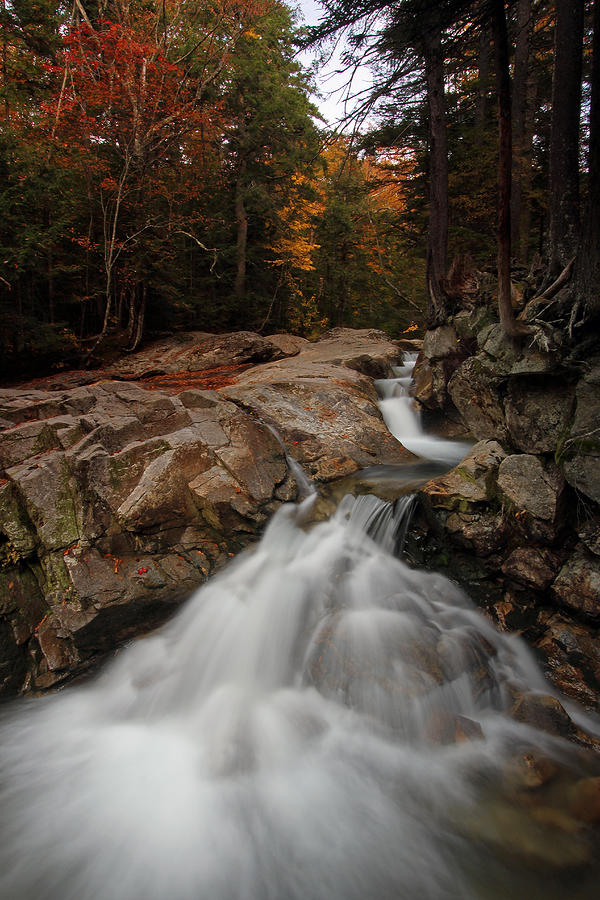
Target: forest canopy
{"points": [[163, 166]]}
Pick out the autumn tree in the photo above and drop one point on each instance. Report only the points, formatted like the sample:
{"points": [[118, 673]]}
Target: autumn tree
{"points": [[139, 91], [268, 137]]}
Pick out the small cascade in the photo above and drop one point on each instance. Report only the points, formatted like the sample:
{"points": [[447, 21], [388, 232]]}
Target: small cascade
{"points": [[403, 421], [385, 523], [319, 722], [305, 486]]}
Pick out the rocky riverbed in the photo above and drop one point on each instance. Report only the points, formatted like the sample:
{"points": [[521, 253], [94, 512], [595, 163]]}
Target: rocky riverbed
{"points": [[518, 522], [123, 489]]}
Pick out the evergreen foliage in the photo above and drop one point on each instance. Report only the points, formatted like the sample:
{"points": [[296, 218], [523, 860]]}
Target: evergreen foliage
{"points": [[162, 166]]}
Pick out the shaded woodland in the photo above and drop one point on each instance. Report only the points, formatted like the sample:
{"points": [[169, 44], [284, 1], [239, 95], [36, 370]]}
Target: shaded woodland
{"points": [[162, 166]]}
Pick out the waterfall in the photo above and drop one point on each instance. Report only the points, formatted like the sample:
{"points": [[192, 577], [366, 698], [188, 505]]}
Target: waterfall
{"points": [[397, 408], [318, 722]]}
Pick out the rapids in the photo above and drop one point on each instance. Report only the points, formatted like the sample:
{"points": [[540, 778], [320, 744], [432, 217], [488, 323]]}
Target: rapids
{"points": [[318, 722], [397, 408]]}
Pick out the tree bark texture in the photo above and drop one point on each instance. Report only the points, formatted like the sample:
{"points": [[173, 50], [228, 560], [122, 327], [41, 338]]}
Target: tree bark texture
{"points": [[241, 218], [587, 266], [500, 33], [564, 137], [521, 137], [484, 66], [437, 239]]}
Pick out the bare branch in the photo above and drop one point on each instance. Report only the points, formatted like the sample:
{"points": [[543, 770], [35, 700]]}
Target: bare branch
{"points": [[212, 250]]}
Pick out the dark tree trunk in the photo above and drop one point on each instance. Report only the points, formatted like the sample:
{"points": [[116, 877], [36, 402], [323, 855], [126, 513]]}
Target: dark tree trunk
{"points": [[521, 137], [437, 239], [500, 33], [564, 138], [526, 175], [484, 66], [587, 266], [241, 218], [50, 270]]}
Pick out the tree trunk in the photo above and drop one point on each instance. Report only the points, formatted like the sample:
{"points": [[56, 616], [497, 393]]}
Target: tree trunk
{"points": [[526, 174], [437, 238], [484, 65], [564, 138], [137, 315], [241, 218], [50, 263], [521, 156], [587, 265], [500, 33]]}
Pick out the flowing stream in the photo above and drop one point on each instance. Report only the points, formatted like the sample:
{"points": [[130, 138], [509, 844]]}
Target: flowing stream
{"points": [[318, 722], [397, 409]]}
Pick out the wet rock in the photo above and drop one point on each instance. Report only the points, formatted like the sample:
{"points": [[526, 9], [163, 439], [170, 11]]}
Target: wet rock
{"points": [[441, 342], [544, 712], [474, 392], [589, 534], [440, 727], [118, 501], [336, 467], [585, 800], [467, 730], [583, 472], [538, 413], [543, 837], [424, 387], [470, 323], [531, 566], [578, 585], [470, 482], [531, 770], [411, 345], [504, 356], [532, 493], [571, 658], [581, 450], [482, 532], [587, 413]]}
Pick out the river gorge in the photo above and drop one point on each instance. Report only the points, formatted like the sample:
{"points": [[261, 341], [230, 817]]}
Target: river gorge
{"points": [[318, 720]]}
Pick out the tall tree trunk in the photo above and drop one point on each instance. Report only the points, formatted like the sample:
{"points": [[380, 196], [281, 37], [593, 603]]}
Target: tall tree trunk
{"points": [[50, 270], [241, 218], [437, 238], [137, 314], [483, 86], [500, 33], [520, 97], [522, 250], [564, 138], [587, 266]]}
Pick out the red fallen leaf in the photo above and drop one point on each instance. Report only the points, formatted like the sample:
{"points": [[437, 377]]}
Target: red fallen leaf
{"points": [[142, 570], [295, 442]]}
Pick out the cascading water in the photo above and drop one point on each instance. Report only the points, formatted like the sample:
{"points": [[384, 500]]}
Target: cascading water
{"points": [[319, 722], [283, 739], [397, 409]]}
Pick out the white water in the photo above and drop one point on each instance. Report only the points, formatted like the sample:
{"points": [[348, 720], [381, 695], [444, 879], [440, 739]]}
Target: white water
{"points": [[290, 735], [274, 742], [397, 408]]}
